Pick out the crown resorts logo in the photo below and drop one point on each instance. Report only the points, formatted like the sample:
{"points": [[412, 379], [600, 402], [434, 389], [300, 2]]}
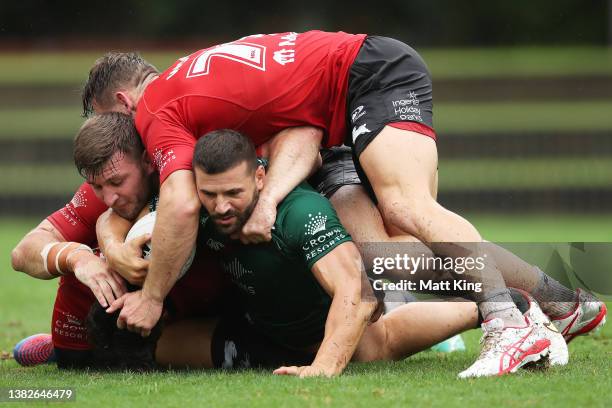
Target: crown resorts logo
{"points": [[79, 200], [315, 224]]}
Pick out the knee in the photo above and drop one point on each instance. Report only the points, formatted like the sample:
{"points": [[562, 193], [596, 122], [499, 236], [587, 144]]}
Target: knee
{"points": [[17, 258], [408, 213], [374, 344]]}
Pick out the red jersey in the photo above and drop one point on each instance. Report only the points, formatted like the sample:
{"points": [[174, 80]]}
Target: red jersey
{"points": [[76, 221], [194, 295], [258, 85]]}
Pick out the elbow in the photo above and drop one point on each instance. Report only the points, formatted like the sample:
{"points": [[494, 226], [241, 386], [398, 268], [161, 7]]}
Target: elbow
{"points": [[17, 258], [364, 302], [316, 135], [178, 197], [189, 207], [184, 206], [367, 308]]}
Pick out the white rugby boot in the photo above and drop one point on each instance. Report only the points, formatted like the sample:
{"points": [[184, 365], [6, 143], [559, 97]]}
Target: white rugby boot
{"points": [[588, 315], [558, 353], [506, 349]]}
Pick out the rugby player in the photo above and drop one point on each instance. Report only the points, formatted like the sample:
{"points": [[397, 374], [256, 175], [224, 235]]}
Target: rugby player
{"points": [[64, 245], [113, 164], [262, 84], [306, 290]]}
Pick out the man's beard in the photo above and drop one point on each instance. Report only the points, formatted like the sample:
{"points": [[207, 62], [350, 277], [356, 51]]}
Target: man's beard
{"points": [[129, 215], [141, 200], [241, 217]]}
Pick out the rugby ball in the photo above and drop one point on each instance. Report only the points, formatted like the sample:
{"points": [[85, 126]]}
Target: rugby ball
{"points": [[145, 226]]}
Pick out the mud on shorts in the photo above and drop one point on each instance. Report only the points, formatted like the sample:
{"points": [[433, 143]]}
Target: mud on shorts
{"points": [[389, 84], [237, 344]]}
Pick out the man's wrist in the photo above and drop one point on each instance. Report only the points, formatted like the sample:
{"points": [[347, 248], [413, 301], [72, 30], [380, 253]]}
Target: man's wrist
{"points": [[269, 197], [153, 296], [328, 365], [110, 247], [328, 370], [79, 258]]}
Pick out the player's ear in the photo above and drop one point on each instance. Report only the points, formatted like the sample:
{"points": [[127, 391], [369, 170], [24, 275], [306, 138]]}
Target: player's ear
{"points": [[260, 174], [124, 102], [147, 163]]}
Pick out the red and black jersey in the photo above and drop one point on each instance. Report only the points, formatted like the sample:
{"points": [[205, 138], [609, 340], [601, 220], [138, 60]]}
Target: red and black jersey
{"points": [[258, 85]]}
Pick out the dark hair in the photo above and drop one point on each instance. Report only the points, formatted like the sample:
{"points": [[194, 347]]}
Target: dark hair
{"points": [[100, 137], [119, 349], [223, 149], [110, 73]]}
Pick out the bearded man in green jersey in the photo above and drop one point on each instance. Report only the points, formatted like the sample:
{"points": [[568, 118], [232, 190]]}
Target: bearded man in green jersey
{"points": [[306, 290]]}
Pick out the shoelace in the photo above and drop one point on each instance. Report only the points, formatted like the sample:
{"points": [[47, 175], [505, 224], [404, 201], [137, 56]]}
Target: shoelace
{"points": [[491, 341]]}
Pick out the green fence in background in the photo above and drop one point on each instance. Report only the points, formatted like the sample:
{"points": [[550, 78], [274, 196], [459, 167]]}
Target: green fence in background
{"points": [[519, 130]]}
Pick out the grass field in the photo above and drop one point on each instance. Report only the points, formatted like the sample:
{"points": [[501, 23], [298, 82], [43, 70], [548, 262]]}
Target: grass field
{"points": [[427, 379]]}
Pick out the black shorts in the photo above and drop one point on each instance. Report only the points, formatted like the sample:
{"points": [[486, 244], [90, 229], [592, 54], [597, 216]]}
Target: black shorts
{"points": [[73, 359], [389, 83], [237, 344], [338, 170]]}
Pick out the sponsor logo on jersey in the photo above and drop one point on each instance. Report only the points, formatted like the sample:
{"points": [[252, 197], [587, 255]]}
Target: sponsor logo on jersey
{"points": [[69, 326], [315, 224], [284, 56], [289, 40], [79, 200], [72, 319], [236, 270], [323, 243], [215, 245], [357, 131], [161, 159], [407, 108], [69, 214], [357, 113]]}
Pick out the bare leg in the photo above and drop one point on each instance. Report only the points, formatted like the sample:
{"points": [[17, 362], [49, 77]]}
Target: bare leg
{"points": [[364, 222], [186, 344], [415, 327], [402, 167], [361, 217]]}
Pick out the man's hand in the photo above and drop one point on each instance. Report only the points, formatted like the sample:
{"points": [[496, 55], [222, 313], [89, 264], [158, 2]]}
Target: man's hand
{"points": [[259, 225], [127, 259], [139, 313], [306, 371], [93, 272], [294, 156]]}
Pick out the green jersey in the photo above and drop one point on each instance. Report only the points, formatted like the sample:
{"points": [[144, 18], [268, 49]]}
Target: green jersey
{"points": [[283, 299]]}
